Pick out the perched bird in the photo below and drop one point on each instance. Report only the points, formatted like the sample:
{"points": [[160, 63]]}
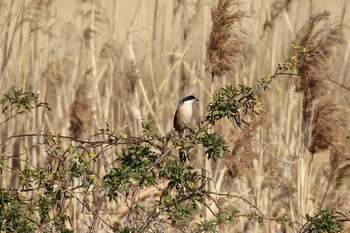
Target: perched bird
{"points": [[183, 114], [182, 118]]}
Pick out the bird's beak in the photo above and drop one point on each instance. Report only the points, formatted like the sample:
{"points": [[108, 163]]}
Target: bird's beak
{"points": [[197, 99]]}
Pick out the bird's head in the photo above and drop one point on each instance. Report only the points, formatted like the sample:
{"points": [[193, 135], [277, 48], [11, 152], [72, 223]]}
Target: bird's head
{"points": [[189, 99]]}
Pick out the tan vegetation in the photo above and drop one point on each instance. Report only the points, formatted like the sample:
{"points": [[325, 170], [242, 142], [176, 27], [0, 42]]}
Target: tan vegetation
{"points": [[115, 63]]}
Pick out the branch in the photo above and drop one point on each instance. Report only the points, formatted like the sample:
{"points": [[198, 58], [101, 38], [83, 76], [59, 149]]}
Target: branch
{"points": [[315, 77], [12, 116]]}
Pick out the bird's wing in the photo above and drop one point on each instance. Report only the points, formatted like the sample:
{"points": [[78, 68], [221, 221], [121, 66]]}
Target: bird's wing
{"points": [[175, 117]]}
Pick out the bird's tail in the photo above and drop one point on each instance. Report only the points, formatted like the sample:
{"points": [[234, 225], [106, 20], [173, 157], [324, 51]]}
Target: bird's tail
{"points": [[183, 156]]}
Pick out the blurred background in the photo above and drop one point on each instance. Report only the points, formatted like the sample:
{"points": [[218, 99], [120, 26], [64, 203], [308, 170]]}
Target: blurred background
{"points": [[118, 62]]}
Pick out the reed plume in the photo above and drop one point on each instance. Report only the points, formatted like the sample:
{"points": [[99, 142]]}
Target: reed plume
{"points": [[225, 40], [325, 109], [82, 112]]}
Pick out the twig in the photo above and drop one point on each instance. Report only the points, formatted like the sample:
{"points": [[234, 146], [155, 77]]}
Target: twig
{"points": [[315, 77]]}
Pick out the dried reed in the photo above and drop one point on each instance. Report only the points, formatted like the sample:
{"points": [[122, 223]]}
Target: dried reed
{"points": [[52, 48]]}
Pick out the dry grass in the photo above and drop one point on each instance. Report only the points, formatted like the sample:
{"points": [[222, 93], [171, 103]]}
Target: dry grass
{"points": [[123, 61], [225, 39]]}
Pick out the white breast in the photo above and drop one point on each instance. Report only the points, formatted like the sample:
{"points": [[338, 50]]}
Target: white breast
{"points": [[187, 111]]}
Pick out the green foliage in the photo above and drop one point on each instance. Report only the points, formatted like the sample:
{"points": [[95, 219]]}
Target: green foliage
{"points": [[53, 185], [178, 210], [257, 216], [147, 128], [211, 225], [208, 226], [13, 216], [281, 219], [127, 230], [325, 221], [230, 102], [133, 171], [19, 101], [182, 196], [302, 57], [214, 144], [180, 176]]}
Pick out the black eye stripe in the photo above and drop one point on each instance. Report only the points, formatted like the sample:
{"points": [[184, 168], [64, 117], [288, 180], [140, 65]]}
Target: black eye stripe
{"points": [[190, 97]]}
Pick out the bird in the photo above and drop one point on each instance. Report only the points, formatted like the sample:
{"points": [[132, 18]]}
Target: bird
{"points": [[183, 114], [182, 118]]}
